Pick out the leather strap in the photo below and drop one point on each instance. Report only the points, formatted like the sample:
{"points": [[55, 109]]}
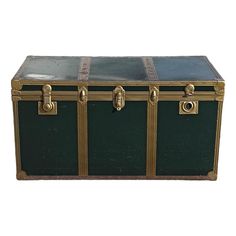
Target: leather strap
{"points": [[150, 68]]}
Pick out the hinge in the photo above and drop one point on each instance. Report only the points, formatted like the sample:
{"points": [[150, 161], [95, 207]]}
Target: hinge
{"points": [[47, 107]]}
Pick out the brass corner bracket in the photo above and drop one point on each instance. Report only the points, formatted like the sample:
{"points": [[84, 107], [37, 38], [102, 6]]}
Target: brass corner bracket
{"points": [[21, 175], [219, 91], [212, 175], [16, 84]]}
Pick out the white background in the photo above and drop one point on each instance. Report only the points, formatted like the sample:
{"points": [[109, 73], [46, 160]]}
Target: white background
{"points": [[182, 27]]}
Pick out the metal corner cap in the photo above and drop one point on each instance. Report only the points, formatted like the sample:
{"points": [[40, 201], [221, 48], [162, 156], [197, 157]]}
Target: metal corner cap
{"points": [[212, 175], [16, 84]]}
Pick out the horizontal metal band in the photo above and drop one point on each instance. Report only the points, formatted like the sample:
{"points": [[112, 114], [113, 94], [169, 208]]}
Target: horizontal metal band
{"points": [[107, 96], [70, 177], [17, 84]]}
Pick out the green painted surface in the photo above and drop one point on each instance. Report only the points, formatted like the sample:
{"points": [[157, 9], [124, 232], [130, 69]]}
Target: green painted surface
{"points": [[117, 140], [111, 88], [185, 143], [48, 143], [182, 88], [54, 88]]}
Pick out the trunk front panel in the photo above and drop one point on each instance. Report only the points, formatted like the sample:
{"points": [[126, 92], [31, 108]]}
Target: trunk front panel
{"points": [[117, 140], [48, 143], [185, 143]]}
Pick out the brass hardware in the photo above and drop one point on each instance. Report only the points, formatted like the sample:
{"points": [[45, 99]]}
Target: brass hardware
{"points": [[212, 175], [21, 175], [82, 128], [219, 91], [151, 153], [91, 82], [217, 138], [47, 107], [17, 136], [16, 84], [189, 90], [188, 107], [154, 93], [118, 98], [83, 95]]}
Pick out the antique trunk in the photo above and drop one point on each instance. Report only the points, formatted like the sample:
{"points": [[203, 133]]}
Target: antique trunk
{"points": [[117, 118]]}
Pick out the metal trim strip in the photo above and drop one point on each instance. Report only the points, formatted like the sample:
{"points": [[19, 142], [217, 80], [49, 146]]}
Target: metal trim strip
{"points": [[217, 138], [82, 138], [107, 96], [91, 177], [17, 83], [151, 139], [17, 138]]}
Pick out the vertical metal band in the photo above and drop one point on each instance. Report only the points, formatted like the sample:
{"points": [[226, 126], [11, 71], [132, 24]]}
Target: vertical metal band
{"points": [[84, 68], [151, 138], [17, 137], [217, 139], [151, 118], [150, 68], [82, 137]]}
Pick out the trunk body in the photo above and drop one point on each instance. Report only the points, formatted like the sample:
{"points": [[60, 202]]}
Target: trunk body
{"points": [[117, 118]]}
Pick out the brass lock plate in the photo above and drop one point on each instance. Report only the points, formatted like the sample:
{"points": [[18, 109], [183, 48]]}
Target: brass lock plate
{"points": [[188, 107], [53, 111]]}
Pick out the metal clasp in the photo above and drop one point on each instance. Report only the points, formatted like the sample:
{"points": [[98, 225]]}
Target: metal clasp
{"points": [[47, 107], [118, 98], [189, 90]]}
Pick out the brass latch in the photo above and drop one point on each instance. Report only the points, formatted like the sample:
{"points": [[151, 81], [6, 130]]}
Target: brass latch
{"points": [[47, 107], [189, 90], [118, 98], [188, 107]]}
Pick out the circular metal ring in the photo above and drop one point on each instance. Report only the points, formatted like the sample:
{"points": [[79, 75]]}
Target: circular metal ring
{"points": [[188, 106]]}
